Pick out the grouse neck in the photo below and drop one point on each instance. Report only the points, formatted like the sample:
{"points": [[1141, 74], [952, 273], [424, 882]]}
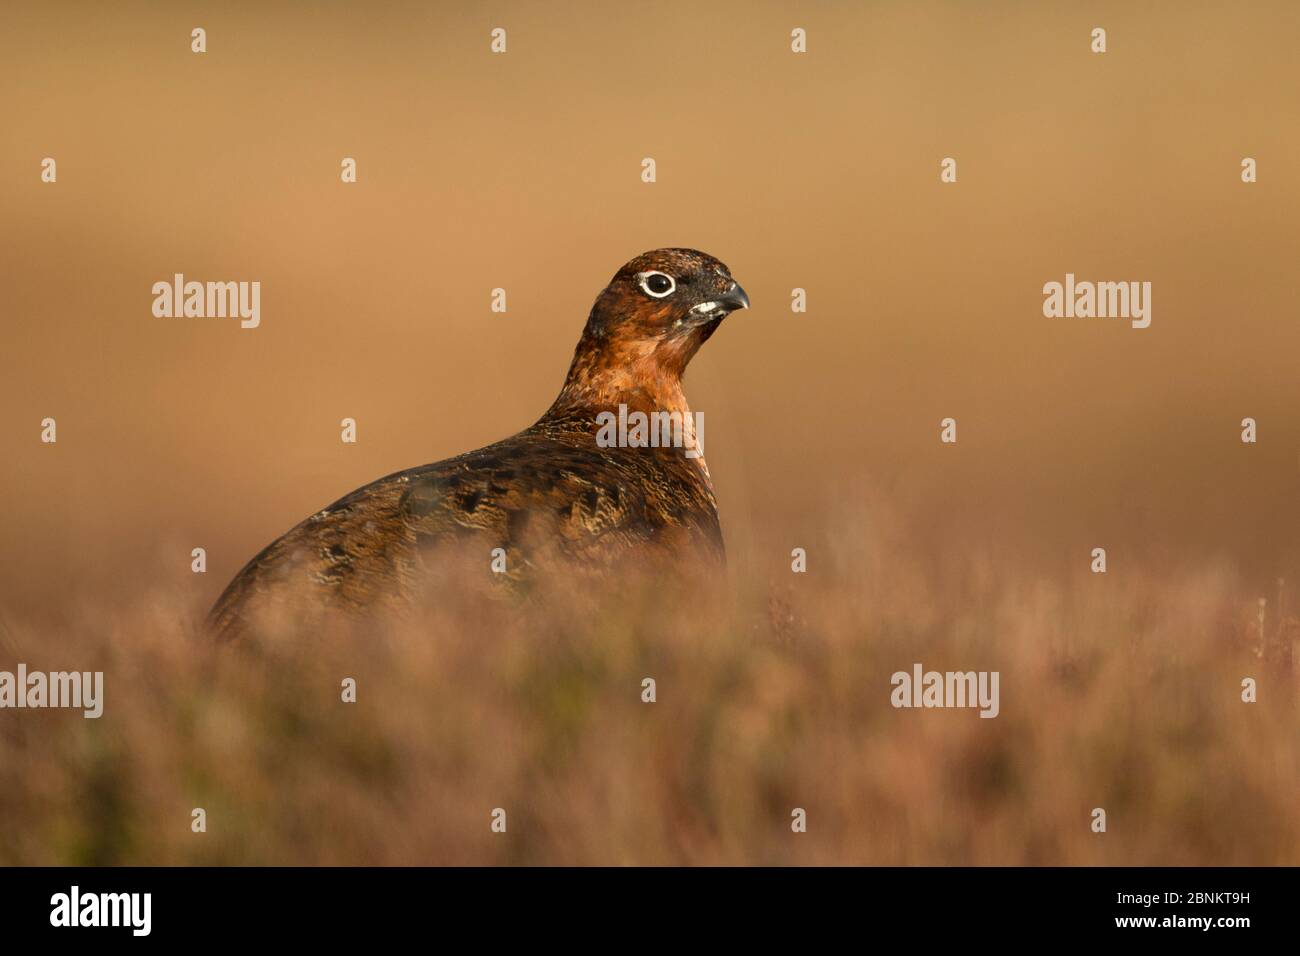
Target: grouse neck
{"points": [[607, 375]]}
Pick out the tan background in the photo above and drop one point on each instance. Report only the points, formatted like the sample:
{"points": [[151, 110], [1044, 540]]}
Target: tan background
{"points": [[522, 171]]}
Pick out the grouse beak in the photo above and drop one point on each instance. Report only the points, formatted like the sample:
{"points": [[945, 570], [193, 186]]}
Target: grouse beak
{"points": [[719, 307], [735, 298]]}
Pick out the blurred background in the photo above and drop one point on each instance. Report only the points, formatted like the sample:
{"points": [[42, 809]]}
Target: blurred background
{"points": [[522, 171]]}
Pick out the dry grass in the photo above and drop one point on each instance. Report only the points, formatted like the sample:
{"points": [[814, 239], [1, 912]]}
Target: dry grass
{"points": [[1119, 691]]}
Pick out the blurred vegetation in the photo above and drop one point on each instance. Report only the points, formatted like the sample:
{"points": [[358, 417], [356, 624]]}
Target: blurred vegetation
{"points": [[1117, 691]]}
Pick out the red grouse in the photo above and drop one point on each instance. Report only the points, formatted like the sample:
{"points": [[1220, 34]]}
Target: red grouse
{"points": [[553, 496]]}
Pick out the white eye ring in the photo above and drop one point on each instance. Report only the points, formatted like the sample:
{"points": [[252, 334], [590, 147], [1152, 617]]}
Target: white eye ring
{"points": [[644, 278]]}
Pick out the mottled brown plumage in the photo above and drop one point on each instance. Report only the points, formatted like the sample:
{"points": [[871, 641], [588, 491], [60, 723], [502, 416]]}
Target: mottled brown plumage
{"points": [[549, 496]]}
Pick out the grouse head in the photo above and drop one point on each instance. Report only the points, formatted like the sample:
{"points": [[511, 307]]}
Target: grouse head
{"points": [[647, 324]]}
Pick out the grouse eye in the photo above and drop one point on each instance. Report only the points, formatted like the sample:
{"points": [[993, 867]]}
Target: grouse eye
{"points": [[658, 284]]}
